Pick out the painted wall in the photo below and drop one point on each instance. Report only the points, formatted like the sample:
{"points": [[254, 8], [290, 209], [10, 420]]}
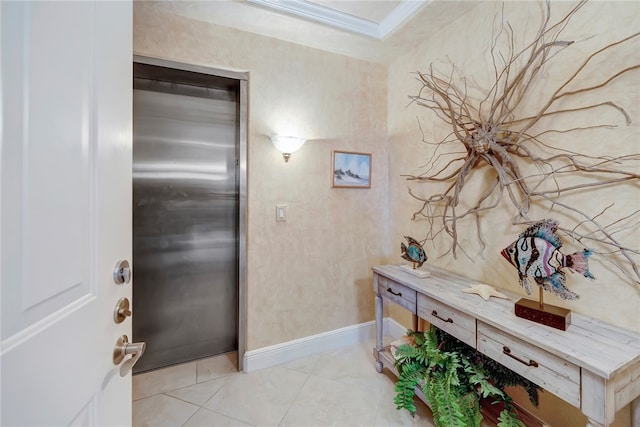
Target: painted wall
{"points": [[312, 273], [466, 44]]}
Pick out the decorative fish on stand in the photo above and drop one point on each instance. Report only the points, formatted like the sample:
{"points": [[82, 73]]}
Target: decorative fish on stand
{"points": [[413, 252], [536, 254]]}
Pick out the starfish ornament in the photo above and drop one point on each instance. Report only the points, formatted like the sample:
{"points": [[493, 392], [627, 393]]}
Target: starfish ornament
{"points": [[485, 291]]}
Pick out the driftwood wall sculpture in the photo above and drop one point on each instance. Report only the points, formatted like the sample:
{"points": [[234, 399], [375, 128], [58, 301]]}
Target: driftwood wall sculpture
{"points": [[526, 159]]}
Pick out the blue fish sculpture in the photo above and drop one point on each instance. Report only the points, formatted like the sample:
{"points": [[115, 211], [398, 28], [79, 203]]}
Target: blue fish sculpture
{"points": [[413, 252], [537, 254]]}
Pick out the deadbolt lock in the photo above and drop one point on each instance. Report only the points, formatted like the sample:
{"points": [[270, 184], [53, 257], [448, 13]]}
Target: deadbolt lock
{"points": [[122, 310], [122, 272]]}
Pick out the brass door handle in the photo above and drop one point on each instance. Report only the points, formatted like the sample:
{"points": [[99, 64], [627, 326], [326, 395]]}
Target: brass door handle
{"points": [[124, 348]]}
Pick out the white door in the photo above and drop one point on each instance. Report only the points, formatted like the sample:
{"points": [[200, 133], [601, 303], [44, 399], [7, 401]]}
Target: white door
{"points": [[65, 210]]}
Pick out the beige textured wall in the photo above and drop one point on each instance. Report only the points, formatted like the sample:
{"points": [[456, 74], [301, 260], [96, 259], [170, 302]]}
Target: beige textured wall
{"points": [[465, 43], [312, 273]]}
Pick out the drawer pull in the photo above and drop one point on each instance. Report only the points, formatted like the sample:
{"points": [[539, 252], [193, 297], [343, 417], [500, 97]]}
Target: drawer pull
{"points": [[398, 294], [506, 350], [435, 314]]}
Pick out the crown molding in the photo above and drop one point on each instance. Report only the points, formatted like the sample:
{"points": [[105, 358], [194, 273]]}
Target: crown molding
{"points": [[344, 21], [399, 16]]}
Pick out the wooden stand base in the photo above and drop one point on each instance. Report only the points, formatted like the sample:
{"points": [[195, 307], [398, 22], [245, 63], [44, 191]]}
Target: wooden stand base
{"points": [[415, 271], [549, 315]]}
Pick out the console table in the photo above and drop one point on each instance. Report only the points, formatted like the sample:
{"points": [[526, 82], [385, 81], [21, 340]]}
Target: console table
{"points": [[592, 365]]}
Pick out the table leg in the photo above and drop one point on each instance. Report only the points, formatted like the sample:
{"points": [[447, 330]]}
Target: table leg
{"points": [[591, 423], [379, 346], [635, 412]]}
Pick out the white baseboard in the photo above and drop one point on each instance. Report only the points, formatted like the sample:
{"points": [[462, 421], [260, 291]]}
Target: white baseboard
{"points": [[393, 328], [308, 346]]}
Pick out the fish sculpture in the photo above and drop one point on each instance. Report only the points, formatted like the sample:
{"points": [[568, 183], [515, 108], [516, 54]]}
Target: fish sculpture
{"points": [[537, 254], [413, 252]]}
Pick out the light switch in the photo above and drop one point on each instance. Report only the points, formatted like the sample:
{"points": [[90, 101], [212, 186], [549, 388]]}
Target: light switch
{"points": [[281, 212]]}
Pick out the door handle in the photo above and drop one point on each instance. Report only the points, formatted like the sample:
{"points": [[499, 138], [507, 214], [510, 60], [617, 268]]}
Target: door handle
{"points": [[124, 348], [506, 350], [398, 294], [434, 313]]}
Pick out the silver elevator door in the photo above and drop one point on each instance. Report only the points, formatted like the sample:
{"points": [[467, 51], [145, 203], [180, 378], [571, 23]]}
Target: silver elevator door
{"points": [[185, 215]]}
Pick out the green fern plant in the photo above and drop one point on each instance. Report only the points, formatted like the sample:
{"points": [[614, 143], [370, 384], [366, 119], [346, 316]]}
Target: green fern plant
{"points": [[454, 377]]}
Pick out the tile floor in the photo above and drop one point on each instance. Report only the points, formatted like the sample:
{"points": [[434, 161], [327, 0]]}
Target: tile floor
{"points": [[337, 388]]}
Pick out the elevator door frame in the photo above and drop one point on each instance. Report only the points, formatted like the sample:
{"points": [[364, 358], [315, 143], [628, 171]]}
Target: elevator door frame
{"points": [[243, 79]]}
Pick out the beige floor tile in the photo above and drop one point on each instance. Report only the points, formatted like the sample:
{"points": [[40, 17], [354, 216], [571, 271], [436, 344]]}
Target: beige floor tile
{"points": [[198, 394], [338, 388], [260, 398], [306, 364], [217, 367], [351, 365], [387, 415], [161, 411], [207, 418], [326, 402], [171, 378]]}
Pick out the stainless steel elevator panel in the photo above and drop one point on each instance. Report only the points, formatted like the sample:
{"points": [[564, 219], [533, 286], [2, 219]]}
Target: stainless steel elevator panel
{"points": [[185, 216]]}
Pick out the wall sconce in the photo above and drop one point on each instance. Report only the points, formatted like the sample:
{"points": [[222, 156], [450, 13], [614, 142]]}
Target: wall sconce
{"points": [[287, 144]]}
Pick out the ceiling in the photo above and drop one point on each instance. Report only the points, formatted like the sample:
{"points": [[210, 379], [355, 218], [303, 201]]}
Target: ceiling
{"points": [[373, 30]]}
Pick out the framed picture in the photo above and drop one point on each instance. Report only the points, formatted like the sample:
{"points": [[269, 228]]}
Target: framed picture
{"points": [[351, 170]]}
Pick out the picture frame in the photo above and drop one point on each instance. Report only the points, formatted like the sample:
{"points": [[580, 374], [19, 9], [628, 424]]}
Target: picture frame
{"points": [[350, 169]]}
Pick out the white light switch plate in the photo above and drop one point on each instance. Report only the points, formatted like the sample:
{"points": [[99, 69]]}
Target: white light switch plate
{"points": [[281, 212]]}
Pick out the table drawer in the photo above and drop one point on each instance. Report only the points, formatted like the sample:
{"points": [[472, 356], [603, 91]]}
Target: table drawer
{"points": [[449, 319], [397, 293], [549, 371]]}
